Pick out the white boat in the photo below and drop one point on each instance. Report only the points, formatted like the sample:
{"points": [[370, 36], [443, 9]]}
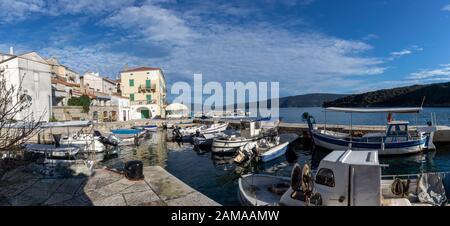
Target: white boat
{"points": [[344, 178], [396, 139], [187, 133], [69, 145], [50, 150], [206, 139], [266, 149], [261, 189], [249, 132], [146, 127], [86, 142]]}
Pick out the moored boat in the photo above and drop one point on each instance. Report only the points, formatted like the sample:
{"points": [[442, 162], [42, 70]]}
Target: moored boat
{"points": [[346, 178], [396, 139]]}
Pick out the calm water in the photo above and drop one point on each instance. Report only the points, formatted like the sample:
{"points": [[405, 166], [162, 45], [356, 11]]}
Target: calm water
{"points": [[295, 115], [216, 176]]}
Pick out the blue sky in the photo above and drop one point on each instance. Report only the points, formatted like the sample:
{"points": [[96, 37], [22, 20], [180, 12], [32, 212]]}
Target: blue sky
{"points": [[307, 45]]}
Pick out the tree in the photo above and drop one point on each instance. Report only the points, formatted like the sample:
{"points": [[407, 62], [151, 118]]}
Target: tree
{"points": [[14, 105]]}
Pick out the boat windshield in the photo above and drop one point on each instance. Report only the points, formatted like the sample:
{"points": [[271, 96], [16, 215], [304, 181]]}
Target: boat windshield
{"points": [[397, 130]]}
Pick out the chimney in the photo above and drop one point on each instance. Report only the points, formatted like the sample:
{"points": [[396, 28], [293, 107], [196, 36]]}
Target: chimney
{"points": [[11, 50]]}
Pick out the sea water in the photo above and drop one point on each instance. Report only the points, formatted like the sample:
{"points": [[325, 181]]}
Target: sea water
{"points": [[216, 176]]}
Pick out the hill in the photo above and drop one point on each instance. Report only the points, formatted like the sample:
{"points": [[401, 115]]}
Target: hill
{"points": [[437, 95]]}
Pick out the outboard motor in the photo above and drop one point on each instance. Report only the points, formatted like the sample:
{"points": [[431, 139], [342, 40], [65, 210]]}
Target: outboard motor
{"points": [[134, 170], [177, 136], [57, 139], [111, 140]]}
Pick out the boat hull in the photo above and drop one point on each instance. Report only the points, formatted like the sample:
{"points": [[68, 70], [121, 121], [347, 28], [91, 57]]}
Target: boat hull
{"points": [[261, 195], [274, 152], [397, 148], [227, 143]]}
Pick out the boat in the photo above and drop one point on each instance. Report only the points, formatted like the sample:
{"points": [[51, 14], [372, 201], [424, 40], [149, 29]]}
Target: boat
{"points": [[146, 127], [262, 189], [250, 131], [129, 136], [206, 140], [396, 139], [186, 134], [87, 142], [54, 151], [69, 145], [264, 150], [343, 178]]}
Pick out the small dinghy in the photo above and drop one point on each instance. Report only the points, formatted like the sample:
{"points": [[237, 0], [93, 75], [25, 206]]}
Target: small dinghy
{"points": [[187, 134], [261, 189], [129, 136], [265, 150]]}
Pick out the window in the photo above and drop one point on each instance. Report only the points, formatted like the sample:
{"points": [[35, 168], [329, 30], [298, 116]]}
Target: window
{"points": [[325, 177], [147, 83], [131, 82], [132, 97], [149, 98]]}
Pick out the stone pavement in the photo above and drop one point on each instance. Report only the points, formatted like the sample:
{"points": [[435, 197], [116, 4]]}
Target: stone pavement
{"points": [[20, 187]]}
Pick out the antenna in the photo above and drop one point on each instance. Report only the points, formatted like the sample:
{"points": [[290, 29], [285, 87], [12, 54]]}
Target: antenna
{"points": [[423, 101]]}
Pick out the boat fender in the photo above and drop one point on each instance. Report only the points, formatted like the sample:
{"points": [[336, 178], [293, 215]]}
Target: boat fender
{"points": [[400, 188]]}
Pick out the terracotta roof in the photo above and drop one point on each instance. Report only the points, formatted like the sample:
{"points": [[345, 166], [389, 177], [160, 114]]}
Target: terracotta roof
{"points": [[54, 81], [91, 95], [141, 69]]}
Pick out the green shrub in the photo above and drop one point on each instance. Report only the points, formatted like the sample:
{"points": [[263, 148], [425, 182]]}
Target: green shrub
{"points": [[83, 101]]}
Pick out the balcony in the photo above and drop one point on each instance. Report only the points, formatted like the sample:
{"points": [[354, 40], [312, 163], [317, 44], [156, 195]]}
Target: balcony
{"points": [[146, 89], [143, 102]]}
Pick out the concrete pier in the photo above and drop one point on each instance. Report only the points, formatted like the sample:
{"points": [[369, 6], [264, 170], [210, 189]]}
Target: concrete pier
{"points": [[20, 187]]}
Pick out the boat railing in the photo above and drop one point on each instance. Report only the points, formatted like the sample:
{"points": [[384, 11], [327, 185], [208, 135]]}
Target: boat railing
{"points": [[411, 176]]}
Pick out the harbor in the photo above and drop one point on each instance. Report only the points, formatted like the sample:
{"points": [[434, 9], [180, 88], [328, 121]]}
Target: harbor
{"points": [[179, 173]]}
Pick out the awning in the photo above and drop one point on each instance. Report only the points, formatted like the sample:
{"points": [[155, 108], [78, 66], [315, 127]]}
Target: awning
{"points": [[376, 110], [67, 124]]}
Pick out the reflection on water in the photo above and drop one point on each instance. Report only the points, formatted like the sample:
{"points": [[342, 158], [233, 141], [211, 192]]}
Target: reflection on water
{"points": [[216, 175]]}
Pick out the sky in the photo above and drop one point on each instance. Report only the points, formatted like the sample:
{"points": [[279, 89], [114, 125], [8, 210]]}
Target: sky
{"points": [[308, 46]]}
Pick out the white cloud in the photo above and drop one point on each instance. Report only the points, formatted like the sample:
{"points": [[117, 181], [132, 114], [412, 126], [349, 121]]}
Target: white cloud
{"points": [[401, 53], [446, 7], [17, 10], [302, 62], [410, 50], [439, 73], [11, 10], [153, 23]]}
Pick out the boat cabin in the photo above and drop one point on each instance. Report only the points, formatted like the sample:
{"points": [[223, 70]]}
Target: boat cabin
{"points": [[349, 178], [250, 129]]}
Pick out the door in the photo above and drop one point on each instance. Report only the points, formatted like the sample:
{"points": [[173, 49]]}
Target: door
{"points": [[145, 114]]}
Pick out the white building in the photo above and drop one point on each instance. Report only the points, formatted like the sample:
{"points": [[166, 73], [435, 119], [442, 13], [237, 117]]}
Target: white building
{"points": [[33, 73], [97, 83], [123, 104]]}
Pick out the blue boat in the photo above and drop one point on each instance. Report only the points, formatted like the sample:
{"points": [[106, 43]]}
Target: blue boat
{"points": [[128, 133], [396, 139]]}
